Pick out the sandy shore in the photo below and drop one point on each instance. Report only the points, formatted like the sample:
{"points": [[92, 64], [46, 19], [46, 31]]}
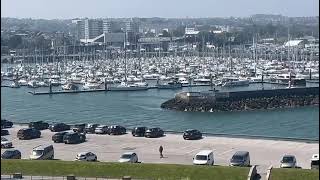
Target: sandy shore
{"points": [[176, 149]]}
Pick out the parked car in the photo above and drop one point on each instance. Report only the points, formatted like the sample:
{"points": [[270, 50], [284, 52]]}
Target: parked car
{"points": [[74, 138], [288, 161], [102, 129], [204, 157], [129, 157], [58, 137], [6, 124], [154, 133], [240, 158], [315, 161], [79, 128], [42, 152], [116, 130], [86, 156], [4, 132], [39, 125], [5, 143], [28, 133], [57, 127], [11, 154], [192, 134], [90, 128], [138, 131]]}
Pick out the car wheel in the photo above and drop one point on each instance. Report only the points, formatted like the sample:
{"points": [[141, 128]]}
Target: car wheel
{"points": [[95, 159]]}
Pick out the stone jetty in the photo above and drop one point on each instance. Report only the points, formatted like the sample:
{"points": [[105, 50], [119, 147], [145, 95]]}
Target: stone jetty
{"points": [[243, 100]]}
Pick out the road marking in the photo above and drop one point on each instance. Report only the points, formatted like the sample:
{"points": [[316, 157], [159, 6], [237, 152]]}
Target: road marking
{"points": [[225, 152]]}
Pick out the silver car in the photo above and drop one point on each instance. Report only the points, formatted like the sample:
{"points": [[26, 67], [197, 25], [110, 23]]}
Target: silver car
{"points": [[130, 157], [5, 143], [102, 129], [288, 161]]}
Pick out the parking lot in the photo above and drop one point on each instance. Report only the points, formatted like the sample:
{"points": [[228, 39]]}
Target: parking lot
{"points": [[176, 149]]}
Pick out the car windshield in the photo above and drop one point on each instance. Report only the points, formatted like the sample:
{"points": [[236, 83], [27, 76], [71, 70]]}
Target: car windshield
{"points": [[37, 152], [315, 162], [8, 153], [201, 157], [237, 158], [287, 159], [126, 156]]}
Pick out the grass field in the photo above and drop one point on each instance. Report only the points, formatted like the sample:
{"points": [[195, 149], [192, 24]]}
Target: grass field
{"points": [[294, 174], [117, 170]]}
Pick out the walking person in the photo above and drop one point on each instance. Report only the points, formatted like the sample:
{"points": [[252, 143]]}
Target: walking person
{"points": [[161, 150]]}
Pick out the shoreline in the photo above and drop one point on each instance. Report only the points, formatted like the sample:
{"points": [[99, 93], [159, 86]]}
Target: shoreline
{"points": [[223, 135]]}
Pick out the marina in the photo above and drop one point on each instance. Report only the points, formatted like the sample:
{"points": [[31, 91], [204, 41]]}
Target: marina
{"points": [[99, 90]]}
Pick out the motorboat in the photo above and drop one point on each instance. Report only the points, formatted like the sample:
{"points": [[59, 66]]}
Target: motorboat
{"points": [[33, 84], [170, 85], [233, 82], [23, 82], [15, 85], [124, 86], [89, 85], [69, 86]]}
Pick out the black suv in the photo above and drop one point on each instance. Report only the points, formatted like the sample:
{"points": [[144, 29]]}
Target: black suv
{"points": [[154, 133], [79, 128], [4, 132], [59, 127], [6, 124], [116, 130], [90, 128], [138, 131], [11, 154], [28, 133], [74, 138], [192, 134], [39, 125], [58, 137]]}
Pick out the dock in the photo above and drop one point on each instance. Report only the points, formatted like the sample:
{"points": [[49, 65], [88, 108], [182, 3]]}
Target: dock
{"points": [[92, 90]]}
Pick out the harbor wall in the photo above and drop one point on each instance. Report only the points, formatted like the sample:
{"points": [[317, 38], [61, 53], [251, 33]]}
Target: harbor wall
{"points": [[243, 100]]}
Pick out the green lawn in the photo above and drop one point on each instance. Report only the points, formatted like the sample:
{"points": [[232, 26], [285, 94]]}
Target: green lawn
{"points": [[117, 170], [294, 174]]}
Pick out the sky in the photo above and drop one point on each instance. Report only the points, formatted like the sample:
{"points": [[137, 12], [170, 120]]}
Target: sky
{"points": [[69, 9]]}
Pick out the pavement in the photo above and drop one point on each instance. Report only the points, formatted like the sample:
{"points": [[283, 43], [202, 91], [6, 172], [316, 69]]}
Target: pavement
{"points": [[176, 150]]}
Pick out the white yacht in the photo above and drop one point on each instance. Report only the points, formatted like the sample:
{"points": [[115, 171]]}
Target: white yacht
{"points": [[232, 82], [33, 84], [89, 86], [15, 85], [128, 87], [23, 82], [170, 85], [69, 86]]}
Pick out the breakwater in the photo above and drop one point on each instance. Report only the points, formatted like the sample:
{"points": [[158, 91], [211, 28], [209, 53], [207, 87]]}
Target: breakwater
{"points": [[243, 100]]}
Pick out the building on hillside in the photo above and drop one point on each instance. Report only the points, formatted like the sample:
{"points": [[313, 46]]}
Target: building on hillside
{"points": [[88, 28]]}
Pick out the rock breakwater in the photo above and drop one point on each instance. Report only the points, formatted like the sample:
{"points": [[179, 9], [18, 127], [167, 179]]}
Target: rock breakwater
{"points": [[232, 102]]}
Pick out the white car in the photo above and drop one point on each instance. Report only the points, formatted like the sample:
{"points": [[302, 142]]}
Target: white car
{"points": [[5, 143], [129, 157], [204, 157], [86, 156], [288, 161], [102, 129]]}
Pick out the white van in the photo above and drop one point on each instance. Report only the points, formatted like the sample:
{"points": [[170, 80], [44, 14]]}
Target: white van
{"points": [[315, 161], [204, 157], [42, 152]]}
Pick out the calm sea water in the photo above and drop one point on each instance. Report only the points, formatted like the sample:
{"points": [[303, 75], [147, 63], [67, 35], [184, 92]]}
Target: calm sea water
{"points": [[143, 108]]}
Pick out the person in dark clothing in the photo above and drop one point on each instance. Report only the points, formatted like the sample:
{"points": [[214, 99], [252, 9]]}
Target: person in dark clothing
{"points": [[161, 150]]}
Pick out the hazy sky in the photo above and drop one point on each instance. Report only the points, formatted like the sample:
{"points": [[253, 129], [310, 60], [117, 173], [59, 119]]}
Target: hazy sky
{"points": [[68, 9]]}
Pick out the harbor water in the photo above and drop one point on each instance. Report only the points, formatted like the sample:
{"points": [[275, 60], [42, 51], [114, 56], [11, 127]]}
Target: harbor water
{"points": [[142, 108]]}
